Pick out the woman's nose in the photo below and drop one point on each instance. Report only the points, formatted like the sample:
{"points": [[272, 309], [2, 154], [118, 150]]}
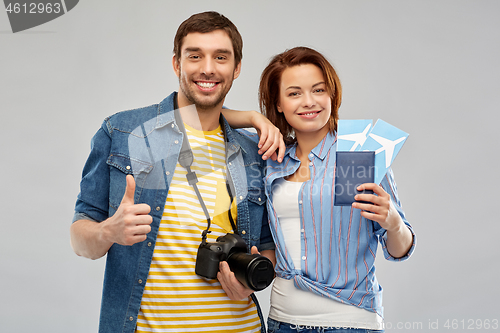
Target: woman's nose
{"points": [[309, 100]]}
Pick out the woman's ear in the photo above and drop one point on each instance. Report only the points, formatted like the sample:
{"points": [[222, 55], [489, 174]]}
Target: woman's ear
{"points": [[279, 108]]}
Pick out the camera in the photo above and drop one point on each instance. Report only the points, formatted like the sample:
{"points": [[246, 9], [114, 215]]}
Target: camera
{"points": [[253, 270]]}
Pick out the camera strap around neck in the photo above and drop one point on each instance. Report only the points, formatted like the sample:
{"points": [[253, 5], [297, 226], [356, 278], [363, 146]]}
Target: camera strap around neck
{"points": [[186, 159]]}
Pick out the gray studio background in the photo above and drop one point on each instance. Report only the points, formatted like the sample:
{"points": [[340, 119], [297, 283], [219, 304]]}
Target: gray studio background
{"points": [[427, 67]]}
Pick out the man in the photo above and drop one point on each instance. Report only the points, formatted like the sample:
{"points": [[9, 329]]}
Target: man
{"points": [[136, 206]]}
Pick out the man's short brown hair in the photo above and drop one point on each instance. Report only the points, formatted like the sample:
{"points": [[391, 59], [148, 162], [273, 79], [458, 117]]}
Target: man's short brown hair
{"points": [[208, 22]]}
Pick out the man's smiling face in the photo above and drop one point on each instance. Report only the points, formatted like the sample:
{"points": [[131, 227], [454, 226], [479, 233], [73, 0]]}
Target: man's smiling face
{"points": [[206, 69]]}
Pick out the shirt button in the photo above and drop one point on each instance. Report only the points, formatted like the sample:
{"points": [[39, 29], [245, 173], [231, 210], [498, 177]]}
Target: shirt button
{"points": [[301, 230], [158, 208], [176, 141], [300, 202], [241, 197], [230, 163], [304, 258], [243, 232], [167, 173], [311, 155], [173, 125], [140, 281], [310, 163], [260, 199], [149, 243], [131, 318], [127, 167]]}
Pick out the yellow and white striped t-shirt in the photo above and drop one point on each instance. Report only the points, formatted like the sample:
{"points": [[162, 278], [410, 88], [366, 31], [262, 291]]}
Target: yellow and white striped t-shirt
{"points": [[175, 299]]}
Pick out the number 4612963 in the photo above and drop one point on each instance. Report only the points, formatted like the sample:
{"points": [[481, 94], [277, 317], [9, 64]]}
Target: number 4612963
{"points": [[471, 324], [33, 8]]}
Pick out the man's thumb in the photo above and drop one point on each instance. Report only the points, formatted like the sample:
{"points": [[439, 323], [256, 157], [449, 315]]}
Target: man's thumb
{"points": [[128, 197], [254, 250]]}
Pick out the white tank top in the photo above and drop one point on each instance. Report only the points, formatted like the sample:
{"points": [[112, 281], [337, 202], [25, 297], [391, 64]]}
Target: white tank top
{"points": [[299, 307]]}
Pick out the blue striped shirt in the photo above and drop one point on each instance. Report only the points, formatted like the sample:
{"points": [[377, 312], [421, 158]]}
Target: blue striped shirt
{"points": [[338, 245]]}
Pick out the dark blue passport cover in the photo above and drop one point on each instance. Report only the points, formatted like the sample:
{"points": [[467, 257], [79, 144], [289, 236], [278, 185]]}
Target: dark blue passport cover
{"points": [[353, 169]]}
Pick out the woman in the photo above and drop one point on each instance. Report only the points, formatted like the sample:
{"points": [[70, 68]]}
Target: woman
{"points": [[325, 254]]}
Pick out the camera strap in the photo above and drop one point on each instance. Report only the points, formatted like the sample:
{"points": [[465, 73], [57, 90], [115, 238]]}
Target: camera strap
{"points": [[186, 159]]}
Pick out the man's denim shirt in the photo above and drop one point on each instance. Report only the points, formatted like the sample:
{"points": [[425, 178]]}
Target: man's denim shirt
{"points": [[146, 143]]}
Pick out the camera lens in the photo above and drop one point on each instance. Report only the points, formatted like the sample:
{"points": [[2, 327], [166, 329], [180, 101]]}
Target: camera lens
{"points": [[252, 270]]}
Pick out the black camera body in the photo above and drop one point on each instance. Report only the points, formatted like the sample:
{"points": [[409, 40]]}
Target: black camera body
{"points": [[252, 270]]}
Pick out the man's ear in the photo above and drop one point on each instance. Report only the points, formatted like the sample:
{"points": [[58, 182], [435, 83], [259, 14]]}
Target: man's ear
{"points": [[237, 71], [176, 65]]}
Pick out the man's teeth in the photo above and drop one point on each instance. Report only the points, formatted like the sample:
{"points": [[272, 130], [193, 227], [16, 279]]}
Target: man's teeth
{"points": [[206, 84]]}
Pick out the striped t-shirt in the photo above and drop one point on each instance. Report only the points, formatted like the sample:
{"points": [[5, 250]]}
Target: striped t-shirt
{"points": [[175, 299]]}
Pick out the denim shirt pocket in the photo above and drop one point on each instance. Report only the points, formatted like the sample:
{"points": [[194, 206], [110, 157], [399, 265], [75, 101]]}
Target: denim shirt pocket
{"points": [[256, 205], [257, 195], [120, 166]]}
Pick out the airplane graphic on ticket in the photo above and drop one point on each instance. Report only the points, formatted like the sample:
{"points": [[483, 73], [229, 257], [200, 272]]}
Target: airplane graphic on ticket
{"points": [[383, 138]]}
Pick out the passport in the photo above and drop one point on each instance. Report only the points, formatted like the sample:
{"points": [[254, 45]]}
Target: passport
{"points": [[353, 168]]}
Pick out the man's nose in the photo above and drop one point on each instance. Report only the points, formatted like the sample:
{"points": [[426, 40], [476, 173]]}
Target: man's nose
{"points": [[208, 66]]}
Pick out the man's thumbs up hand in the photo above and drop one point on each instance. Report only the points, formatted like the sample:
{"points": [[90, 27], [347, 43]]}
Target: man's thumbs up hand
{"points": [[131, 223]]}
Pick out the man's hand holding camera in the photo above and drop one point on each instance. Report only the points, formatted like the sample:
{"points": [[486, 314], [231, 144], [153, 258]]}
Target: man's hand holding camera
{"points": [[233, 288]]}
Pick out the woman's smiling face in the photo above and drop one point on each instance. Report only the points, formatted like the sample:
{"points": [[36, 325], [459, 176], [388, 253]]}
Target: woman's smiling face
{"points": [[304, 99]]}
